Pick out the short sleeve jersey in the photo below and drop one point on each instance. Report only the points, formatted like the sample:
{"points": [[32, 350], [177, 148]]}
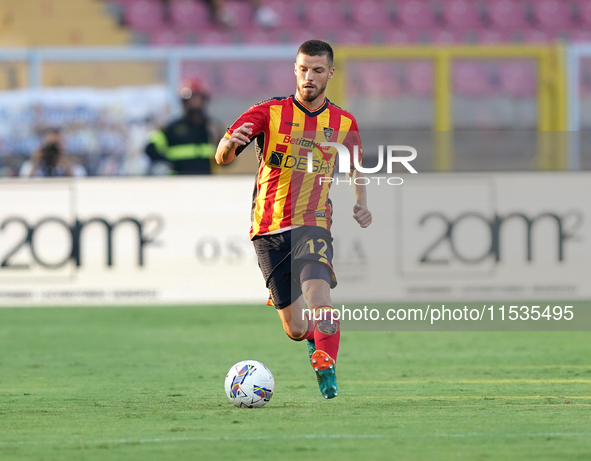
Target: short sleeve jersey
{"points": [[286, 136]]}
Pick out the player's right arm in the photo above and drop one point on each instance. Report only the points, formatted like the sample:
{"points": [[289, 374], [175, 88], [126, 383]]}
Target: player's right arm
{"points": [[249, 124], [226, 151]]}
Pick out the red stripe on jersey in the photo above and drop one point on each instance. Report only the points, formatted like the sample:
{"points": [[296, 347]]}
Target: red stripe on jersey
{"points": [[295, 186], [310, 129], [334, 121], [297, 177], [286, 126]]}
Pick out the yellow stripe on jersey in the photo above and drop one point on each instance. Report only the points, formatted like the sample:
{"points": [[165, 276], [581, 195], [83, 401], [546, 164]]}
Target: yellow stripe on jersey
{"points": [[344, 128], [259, 206]]}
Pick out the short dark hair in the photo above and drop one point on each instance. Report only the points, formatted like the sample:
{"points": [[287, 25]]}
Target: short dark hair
{"points": [[317, 48]]}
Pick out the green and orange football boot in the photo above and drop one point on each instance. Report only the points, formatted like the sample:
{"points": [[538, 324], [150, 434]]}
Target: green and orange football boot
{"points": [[326, 373]]}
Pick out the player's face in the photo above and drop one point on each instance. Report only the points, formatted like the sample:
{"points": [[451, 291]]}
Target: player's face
{"points": [[312, 75]]}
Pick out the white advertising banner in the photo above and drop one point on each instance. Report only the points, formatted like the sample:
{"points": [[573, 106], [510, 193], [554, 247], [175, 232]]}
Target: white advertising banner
{"points": [[469, 237], [127, 241], [185, 240]]}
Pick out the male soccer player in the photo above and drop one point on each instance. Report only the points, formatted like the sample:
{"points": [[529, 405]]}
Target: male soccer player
{"points": [[291, 212]]}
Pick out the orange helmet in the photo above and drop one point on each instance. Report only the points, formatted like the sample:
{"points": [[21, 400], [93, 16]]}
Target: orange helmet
{"points": [[191, 86]]}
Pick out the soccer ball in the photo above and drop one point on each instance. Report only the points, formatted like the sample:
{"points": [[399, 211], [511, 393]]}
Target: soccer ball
{"points": [[249, 384]]}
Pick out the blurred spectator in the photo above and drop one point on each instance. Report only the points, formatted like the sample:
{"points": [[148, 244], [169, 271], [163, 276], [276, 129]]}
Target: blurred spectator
{"points": [[51, 160], [187, 145], [263, 15]]}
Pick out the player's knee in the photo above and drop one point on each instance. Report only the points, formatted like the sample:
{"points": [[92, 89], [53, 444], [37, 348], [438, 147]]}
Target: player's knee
{"points": [[294, 333]]}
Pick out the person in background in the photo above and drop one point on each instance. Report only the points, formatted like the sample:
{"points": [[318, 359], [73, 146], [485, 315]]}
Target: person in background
{"points": [[186, 145], [263, 15], [51, 160]]}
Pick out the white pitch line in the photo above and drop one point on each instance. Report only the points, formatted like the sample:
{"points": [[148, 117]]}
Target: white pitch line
{"points": [[292, 437], [479, 381]]}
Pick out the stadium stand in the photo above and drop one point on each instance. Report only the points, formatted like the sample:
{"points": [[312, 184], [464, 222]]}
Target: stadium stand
{"points": [[396, 86], [365, 21], [371, 14], [61, 22], [507, 14], [552, 14], [462, 14], [144, 15], [416, 13], [189, 15]]}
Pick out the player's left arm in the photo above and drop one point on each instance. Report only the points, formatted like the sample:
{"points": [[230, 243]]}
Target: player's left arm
{"points": [[361, 213]]}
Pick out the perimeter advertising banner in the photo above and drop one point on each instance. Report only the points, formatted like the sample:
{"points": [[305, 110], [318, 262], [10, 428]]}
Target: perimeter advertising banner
{"points": [[185, 240], [469, 237], [127, 241]]}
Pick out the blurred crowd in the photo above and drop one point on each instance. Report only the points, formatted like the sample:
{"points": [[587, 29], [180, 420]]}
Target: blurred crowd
{"points": [[103, 131], [106, 135], [221, 15]]}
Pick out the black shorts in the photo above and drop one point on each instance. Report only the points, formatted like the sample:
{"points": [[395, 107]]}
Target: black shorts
{"points": [[284, 260]]}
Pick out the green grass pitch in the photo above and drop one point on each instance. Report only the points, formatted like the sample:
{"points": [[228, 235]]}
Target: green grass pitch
{"points": [[146, 383]]}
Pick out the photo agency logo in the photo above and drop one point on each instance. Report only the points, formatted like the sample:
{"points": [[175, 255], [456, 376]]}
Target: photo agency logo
{"points": [[386, 154]]}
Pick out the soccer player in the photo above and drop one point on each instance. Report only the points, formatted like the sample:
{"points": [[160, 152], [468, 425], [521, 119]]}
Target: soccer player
{"points": [[291, 212]]}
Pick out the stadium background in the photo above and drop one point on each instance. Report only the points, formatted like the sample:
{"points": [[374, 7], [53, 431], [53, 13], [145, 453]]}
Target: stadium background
{"points": [[494, 94], [476, 87]]}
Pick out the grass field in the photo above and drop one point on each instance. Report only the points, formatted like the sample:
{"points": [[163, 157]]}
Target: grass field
{"points": [[146, 383]]}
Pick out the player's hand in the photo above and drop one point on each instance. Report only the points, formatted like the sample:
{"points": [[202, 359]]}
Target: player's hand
{"points": [[362, 215], [241, 134]]}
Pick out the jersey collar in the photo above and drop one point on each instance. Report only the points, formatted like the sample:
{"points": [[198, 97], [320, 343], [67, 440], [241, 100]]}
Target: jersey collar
{"points": [[308, 112]]}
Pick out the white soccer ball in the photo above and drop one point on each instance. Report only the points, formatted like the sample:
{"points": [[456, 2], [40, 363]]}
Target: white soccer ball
{"points": [[249, 384]]}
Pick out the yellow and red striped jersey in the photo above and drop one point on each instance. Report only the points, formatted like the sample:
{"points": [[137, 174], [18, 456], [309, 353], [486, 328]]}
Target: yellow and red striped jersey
{"points": [[285, 132]]}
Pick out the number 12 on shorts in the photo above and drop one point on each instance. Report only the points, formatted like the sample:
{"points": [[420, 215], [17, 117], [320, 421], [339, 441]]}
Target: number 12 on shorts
{"points": [[320, 248]]}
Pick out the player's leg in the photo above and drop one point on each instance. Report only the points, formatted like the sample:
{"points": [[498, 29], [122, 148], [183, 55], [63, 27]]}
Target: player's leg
{"points": [[295, 321], [316, 279], [274, 256], [327, 332], [312, 255]]}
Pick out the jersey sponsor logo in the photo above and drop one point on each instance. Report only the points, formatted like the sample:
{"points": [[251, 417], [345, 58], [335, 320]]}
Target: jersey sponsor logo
{"points": [[299, 163], [307, 144], [275, 159], [302, 142], [292, 123]]}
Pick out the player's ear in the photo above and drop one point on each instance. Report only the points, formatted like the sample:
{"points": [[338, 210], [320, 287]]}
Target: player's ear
{"points": [[331, 73], [295, 68]]}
